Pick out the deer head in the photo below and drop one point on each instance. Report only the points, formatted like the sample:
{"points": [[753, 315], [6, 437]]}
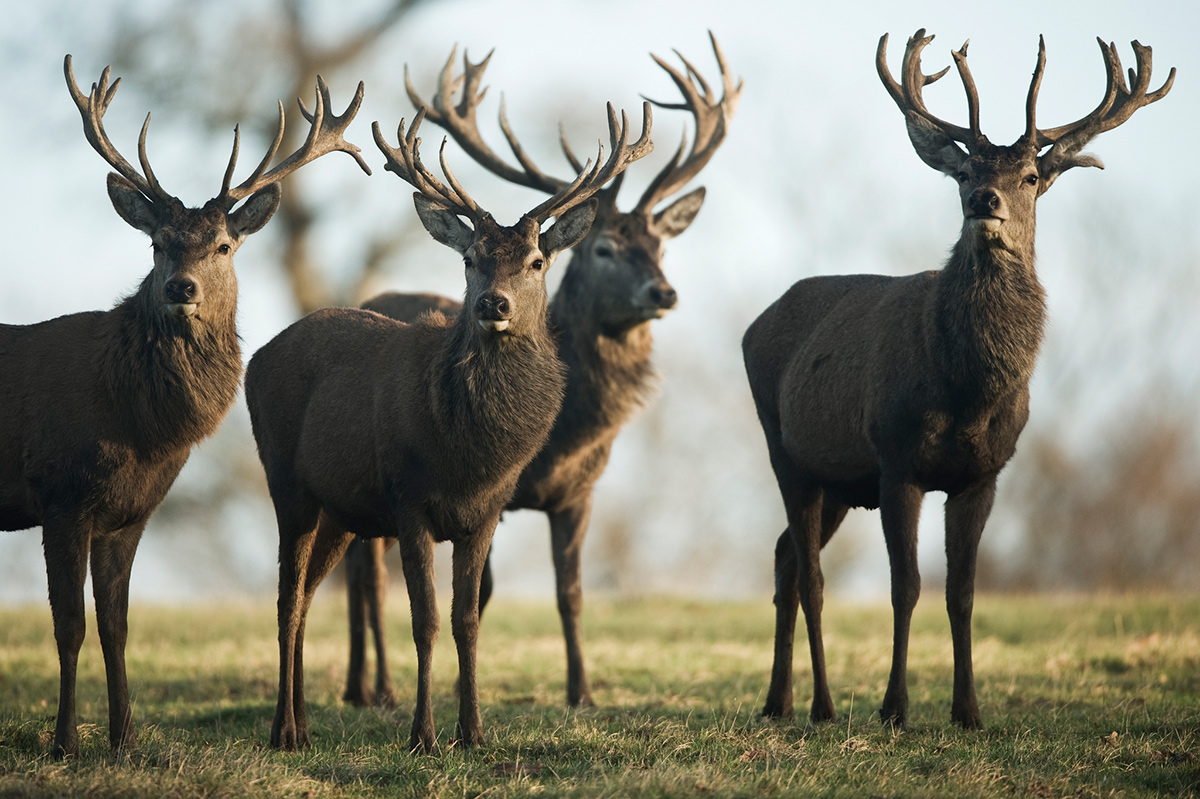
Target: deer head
{"points": [[999, 185], [621, 257], [193, 279], [506, 266]]}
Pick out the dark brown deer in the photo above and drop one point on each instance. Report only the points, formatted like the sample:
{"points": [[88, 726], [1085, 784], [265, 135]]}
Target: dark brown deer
{"points": [[874, 390], [101, 409], [418, 431], [613, 287]]}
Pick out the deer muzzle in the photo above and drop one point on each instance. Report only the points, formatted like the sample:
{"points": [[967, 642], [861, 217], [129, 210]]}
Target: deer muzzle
{"points": [[183, 297], [493, 311]]}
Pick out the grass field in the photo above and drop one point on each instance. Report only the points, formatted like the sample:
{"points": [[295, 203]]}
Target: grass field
{"points": [[1080, 697]]}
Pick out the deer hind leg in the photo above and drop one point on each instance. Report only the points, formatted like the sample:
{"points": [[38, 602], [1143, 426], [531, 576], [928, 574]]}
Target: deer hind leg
{"points": [[900, 507], [470, 555], [385, 691], [416, 556], [966, 514], [357, 587], [112, 560], [567, 530], [799, 582], [65, 544], [328, 544], [297, 531], [366, 588]]}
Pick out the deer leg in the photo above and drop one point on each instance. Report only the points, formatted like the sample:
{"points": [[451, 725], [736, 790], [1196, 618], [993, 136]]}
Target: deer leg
{"points": [[900, 507], [567, 529], [966, 514], [357, 586], [112, 560], [66, 550], [470, 555], [808, 534], [328, 545], [787, 600], [296, 534], [416, 556], [376, 596]]}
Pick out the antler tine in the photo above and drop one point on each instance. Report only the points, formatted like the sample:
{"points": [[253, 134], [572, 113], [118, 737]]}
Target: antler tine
{"points": [[459, 120], [1035, 86], [907, 93], [711, 119], [968, 81], [592, 180], [532, 177], [405, 162], [1120, 101], [325, 135], [92, 108], [566, 148]]}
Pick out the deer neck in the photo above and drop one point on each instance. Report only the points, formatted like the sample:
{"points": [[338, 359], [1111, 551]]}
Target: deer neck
{"points": [[495, 393], [990, 312], [172, 380], [609, 370]]}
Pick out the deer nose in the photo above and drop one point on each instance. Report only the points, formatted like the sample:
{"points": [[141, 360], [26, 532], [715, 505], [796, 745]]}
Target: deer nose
{"points": [[180, 290], [663, 295], [985, 202], [493, 305]]}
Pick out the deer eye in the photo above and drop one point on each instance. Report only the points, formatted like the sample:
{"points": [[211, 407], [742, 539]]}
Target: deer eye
{"points": [[224, 249], [468, 263], [537, 265], [154, 248], [962, 177], [1031, 179], [604, 252]]}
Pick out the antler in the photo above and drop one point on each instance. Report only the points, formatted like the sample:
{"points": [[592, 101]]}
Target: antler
{"points": [[324, 136], [712, 119], [460, 121], [92, 108], [405, 162], [588, 183], [907, 93], [1119, 102]]}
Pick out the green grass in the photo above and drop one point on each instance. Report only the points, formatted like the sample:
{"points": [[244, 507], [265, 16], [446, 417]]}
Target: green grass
{"points": [[1080, 697]]}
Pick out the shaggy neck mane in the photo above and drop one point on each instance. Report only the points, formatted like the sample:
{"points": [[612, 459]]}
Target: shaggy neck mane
{"points": [[990, 313], [493, 393], [171, 381], [609, 373]]}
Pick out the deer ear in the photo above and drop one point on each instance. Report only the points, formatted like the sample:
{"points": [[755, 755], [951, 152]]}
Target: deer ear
{"points": [[1059, 158], [675, 218], [256, 211], [934, 147], [443, 224], [569, 228], [131, 205]]}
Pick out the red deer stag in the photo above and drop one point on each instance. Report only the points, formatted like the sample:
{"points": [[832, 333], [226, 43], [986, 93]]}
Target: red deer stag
{"points": [[101, 409], [614, 285], [874, 390], [418, 431]]}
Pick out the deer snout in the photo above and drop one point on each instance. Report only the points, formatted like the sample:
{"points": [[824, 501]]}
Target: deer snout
{"points": [[182, 296], [986, 203], [656, 298], [493, 311]]}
